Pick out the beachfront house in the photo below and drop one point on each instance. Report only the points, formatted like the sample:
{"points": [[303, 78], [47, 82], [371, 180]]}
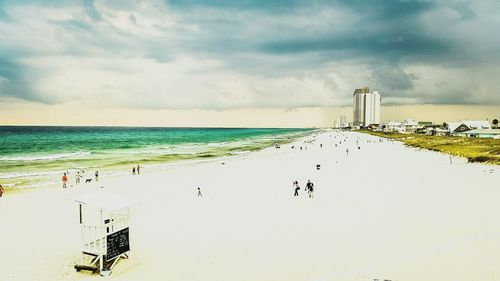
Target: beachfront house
{"points": [[393, 126], [473, 129], [410, 125], [438, 131], [481, 133], [456, 128], [425, 128], [405, 127], [374, 127]]}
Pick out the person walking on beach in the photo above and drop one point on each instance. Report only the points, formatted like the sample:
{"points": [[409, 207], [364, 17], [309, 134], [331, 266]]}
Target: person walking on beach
{"points": [[64, 180], [310, 188], [297, 188], [1, 190], [133, 170], [199, 192], [138, 169], [77, 180], [96, 176]]}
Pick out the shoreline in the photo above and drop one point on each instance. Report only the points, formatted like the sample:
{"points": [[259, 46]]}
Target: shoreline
{"points": [[120, 171]]}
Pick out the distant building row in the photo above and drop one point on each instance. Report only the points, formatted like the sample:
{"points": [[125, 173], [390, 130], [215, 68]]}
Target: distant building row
{"points": [[366, 115], [464, 128]]}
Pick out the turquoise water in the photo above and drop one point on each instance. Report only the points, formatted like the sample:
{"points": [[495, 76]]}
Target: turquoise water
{"points": [[30, 155]]}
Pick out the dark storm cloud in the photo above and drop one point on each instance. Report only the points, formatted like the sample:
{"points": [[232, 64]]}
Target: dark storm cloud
{"points": [[91, 10], [242, 4], [392, 78], [386, 29], [390, 45], [11, 77], [383, 30], [14, 82], [3, 14], [386, 9]]}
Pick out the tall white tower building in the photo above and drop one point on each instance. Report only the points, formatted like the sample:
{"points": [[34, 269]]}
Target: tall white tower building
{"points": [[343, 121], [366, 107]]}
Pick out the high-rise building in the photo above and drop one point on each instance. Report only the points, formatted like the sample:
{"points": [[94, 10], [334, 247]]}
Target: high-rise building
{"points": [[366, 107], [343, 121]]}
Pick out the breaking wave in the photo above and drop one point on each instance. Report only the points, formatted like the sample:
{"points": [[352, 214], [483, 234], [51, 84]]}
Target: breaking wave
{"points": [[48, 157]]}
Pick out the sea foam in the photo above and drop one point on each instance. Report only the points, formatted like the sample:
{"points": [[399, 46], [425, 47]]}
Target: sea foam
{"points": [[48, 157]]}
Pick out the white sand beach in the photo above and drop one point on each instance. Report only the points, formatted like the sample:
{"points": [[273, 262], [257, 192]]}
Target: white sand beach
{"points": [[384, 211]]}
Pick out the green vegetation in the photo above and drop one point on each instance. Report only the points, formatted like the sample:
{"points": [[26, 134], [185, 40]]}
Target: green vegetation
{"points": [[474, 149]]}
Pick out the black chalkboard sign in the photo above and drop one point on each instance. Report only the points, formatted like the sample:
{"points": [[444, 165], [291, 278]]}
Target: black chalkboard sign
{"points": [[117, 243]]}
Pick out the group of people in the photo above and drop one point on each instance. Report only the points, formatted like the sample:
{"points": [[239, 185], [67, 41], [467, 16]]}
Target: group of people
{"points": [[136, 169], [309, 188], [78, 177]]}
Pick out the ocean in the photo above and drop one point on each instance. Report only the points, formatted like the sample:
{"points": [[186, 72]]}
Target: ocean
{"points": [[34, 156]]}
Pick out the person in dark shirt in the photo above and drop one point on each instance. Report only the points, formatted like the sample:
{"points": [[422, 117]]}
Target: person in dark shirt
{"points": [[310, 188], [297, 188]]}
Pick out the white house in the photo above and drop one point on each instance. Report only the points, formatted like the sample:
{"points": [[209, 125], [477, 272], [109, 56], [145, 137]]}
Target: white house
{"points": [[482, 133], [410, 125], [407, 126], [394, 126], [466, 125]]}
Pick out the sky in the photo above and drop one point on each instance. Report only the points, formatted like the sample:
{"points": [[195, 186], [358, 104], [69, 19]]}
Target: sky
{"points": [[245, 63]]}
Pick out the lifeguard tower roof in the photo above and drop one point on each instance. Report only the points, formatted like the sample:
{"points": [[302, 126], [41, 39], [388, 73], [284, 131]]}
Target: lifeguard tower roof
{"points": [[106, 201]]}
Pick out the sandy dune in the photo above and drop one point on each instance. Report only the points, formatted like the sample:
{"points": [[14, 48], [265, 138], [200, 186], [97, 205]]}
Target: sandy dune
{"points": [[385, 211]]}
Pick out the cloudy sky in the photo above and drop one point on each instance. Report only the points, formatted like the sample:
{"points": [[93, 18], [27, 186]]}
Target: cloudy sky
{"points": [[220, 57]]}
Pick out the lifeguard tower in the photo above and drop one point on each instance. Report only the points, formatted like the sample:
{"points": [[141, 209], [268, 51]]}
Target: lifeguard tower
{"points": [[104, 223]]}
